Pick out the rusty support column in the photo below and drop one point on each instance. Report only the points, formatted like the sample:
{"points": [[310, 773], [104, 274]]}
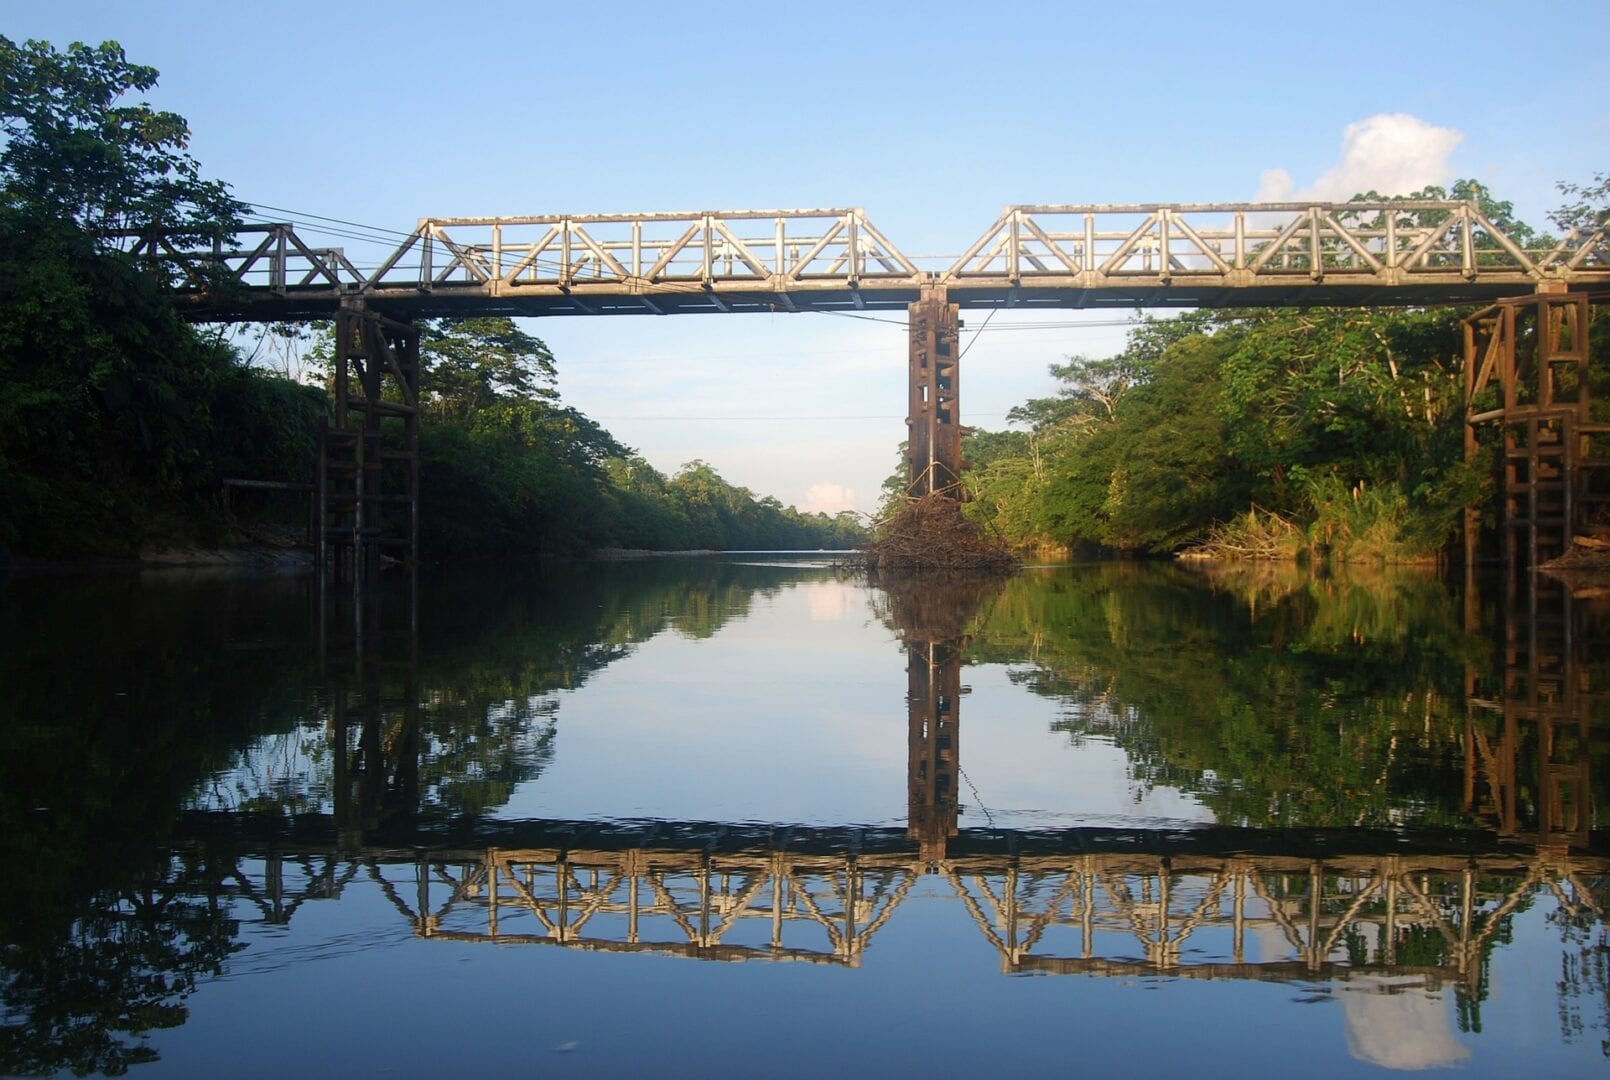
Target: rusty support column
{"points": [[934, 441]]}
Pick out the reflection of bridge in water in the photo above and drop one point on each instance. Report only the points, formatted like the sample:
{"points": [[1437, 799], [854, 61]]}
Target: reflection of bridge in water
{"points": [[1213, 903]]}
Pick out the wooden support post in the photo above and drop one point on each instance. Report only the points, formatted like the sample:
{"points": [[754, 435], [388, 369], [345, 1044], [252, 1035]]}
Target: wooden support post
{"points": [[1538, 349], [1390, 930], [368, 484], [1087, 910], [777, 899]]}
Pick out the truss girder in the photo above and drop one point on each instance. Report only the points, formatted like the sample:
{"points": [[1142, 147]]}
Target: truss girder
{"points": [[1260, 917], [1227, 255]]}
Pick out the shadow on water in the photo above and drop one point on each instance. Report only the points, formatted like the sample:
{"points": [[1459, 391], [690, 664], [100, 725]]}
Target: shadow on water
{"points": [[1396, 777]]}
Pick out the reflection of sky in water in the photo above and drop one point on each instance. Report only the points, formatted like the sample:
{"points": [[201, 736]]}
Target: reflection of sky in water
{"points": [[796, 713]]}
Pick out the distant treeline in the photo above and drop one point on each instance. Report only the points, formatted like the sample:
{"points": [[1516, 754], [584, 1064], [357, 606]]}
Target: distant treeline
{"points": [[119, 420]]}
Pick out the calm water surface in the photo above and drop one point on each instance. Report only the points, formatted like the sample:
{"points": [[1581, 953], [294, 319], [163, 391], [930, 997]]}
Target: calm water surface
{"points": [[754, 813]]}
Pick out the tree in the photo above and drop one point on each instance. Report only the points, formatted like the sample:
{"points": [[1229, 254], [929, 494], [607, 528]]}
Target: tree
{"points": [[1589, 207], [74, 154], [116, 415], [471, 363]]}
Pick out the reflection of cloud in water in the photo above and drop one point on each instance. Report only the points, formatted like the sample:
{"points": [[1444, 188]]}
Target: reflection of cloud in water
{"points": [[829, 600], [1392, 1021], [1396, 1024]]}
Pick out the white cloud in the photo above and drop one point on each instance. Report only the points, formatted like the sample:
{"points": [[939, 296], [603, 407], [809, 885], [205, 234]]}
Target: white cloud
{"points": [[828, 499], [1392, 153]]}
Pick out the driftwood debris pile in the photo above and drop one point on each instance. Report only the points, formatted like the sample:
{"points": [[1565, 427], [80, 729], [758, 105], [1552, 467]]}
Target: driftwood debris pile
{"points": [[1590, 553], [930, 533]]}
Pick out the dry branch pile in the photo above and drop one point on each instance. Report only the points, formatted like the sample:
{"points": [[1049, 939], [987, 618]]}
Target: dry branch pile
{"points": [[1585, 553], [930, 533]]}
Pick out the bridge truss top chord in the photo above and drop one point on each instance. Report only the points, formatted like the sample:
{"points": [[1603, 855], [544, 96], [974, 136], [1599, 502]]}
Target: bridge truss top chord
{"points": [[1197, 255]]}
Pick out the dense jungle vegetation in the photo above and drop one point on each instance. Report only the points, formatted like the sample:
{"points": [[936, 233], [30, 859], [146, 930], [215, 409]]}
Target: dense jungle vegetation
{"points": [[1266, 433], [119, 420]]}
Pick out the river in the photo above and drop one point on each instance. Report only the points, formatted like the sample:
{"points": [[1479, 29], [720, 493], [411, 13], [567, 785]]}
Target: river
{"points": [[757, 813]]}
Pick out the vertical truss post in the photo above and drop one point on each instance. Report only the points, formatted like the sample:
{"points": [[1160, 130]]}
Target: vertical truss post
{"points": [[934, 441]]}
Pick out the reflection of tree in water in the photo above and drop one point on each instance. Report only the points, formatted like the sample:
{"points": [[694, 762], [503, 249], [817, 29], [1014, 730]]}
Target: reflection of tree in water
{"points": [[1276, 701], [104, 741], [87, 993], [201, 694], [1584, 983], [495, 652]]}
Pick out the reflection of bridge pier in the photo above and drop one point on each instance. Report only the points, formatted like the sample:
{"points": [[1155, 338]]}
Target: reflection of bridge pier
{"points": [[369, 672], [1529, 735], [932, 618], [933, 703]]}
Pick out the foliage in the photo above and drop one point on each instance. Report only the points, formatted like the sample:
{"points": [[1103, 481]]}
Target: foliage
{"points": [[1589, 205], [508, 471], [73, 154], [932, 534], [1346, 424], [1278, 698], [1256, 534], [117, 418]]}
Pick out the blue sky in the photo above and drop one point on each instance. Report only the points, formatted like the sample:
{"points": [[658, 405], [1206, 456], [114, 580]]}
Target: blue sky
{"points": [[930, 116]]}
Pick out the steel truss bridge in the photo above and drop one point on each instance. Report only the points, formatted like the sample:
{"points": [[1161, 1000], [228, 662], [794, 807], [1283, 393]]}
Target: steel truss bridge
{"points": [[1290, 905], [1355, 254], [1125, 256]]}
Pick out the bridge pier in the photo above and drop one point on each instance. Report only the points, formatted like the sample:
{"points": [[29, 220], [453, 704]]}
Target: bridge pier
{"points": [[1555, 470], [934, 441], [368, 484]]}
